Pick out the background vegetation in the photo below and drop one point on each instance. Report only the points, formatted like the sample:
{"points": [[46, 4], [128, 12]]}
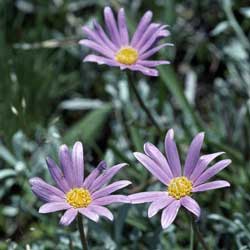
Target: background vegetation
{"points": [[48, 97]]}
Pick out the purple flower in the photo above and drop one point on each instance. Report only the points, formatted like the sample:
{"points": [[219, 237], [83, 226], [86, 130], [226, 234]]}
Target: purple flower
{"points": [[179, 184], [116, 49], [75, 193]]}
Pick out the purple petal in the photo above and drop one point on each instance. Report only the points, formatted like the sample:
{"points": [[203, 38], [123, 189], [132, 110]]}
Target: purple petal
{"points": [[110, 189], [104, 37], [93, 35], [157, 34], [154, 153], [112, 26], [159, 204], [68, 216], [149, 32], [191, 205], [162, 33], [143, 24], [144, 197], [145, 70], [101, 211], [211, 185], [212, 171], [106, 177], [101, 60], [44, 195], [172, 153], [54, 207], [202, 164], [57, 175], [152, 51], [89, 214], [97, 47], [66, 164], [45, 191], [169, 214], [93, 175], [193, 154], [123, 29], [151, 64], [78, 164], [152, 167], [111, 199]]}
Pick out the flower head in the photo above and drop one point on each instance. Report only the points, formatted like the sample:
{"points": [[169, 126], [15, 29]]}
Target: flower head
{"points": [[116, 49], [75, 193], [179, 184]]}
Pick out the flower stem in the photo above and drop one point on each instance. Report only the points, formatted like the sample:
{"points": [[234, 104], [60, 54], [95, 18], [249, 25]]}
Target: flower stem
{"points": [[198, 233], [82, 234], [131, 81], [191, 247]]}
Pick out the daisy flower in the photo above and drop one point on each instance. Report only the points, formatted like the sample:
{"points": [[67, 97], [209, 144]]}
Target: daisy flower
{"points": [[75, 193], [116, 49], [180, 185]]}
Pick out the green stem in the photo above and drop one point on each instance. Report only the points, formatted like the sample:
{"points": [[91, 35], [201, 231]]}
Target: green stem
{"points": [[82, 234], [198, 233], [191, 247], [141, 102]]}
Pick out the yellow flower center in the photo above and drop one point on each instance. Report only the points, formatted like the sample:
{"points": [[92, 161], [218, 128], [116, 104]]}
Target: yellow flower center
{"points": [[179, 187], [127, 55], [78, 197]]}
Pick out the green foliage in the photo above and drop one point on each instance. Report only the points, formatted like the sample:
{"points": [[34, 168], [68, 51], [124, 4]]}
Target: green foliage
{"points": [[48, 97], [88, 128]]}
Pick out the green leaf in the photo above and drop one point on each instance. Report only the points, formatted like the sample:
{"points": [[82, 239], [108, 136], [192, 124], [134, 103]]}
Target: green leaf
{"points": [[6, 155], [171, 81], [81, 104], [120, 222], [137, 222], [10, 211], [5, 173], [136, 138], [245, 11], [89, 128], [227, 6], [220, 28]]}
